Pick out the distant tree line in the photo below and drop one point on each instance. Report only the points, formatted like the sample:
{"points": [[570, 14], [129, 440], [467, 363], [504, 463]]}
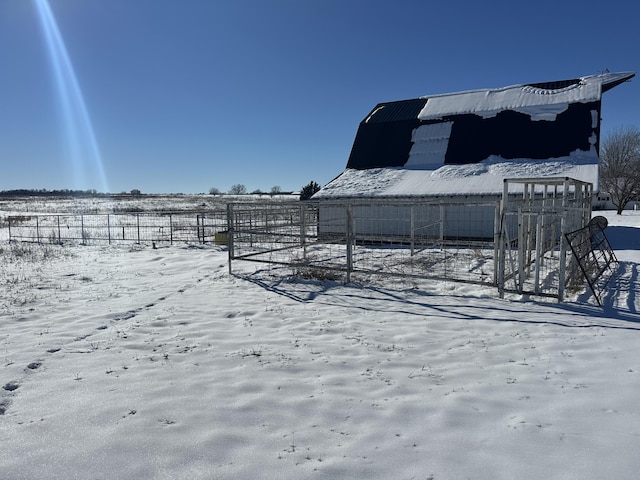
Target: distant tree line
{"points": [[239, 189], [43, 192], [65, 192]]}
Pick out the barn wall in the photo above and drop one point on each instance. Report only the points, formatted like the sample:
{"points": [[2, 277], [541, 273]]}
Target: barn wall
{"points": [[468, 219]]}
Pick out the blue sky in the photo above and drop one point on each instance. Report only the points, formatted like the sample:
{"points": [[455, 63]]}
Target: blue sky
{"points": [[186, 95]]}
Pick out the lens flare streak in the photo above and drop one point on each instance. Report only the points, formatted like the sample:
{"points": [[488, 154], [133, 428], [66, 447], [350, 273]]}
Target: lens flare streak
{"points": [[81, 140]]}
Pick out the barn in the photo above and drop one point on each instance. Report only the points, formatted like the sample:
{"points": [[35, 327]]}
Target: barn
{"points": [[461, 149]]}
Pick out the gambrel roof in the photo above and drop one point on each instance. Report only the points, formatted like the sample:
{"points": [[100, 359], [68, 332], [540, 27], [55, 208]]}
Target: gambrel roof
{"points": [[468, 142]]}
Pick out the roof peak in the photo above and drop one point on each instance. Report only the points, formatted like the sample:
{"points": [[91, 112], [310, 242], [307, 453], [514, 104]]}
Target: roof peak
{"points": [[607, 80]]}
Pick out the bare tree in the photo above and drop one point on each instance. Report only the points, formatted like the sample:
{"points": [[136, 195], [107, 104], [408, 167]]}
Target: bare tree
{"points": [[238, 189], [275, 190], [620, 166], [214, 191]]}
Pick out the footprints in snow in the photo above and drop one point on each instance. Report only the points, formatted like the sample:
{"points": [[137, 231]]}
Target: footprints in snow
{"points": [[9, 388]]}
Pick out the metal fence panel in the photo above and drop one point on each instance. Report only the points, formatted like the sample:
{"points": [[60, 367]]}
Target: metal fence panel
{"points": [[156, 228]]}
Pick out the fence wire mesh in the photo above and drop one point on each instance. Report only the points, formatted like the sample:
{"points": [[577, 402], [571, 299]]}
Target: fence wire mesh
{"points": [[352, 241], [514, 243], [158, 228]]}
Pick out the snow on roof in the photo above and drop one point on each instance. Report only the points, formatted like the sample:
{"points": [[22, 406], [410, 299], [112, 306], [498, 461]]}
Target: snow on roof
{"points": [[467, 143], [540, 103], [483, 178]]}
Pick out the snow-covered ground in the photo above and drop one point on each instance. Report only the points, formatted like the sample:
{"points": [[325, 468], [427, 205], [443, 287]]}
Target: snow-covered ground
{"points": [[141, 363]]}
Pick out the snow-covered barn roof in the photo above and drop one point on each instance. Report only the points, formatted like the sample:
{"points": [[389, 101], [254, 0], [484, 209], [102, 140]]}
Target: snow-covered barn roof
{"points": [[468, 142]]}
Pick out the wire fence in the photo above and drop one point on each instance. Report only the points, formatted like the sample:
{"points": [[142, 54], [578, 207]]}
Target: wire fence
{"points": [[515, 243], [86, 229], [353, 241]]}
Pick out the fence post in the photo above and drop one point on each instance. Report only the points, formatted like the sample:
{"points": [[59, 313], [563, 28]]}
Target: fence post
{"points": [[109, 228], [230, 232], [497, 227], [59, 237], [9, 225], [138, 226], [38, 229], [200, 223], [170, 229], [442, 214], [521, 251], [82, 230], [350, 236], [413, 230], [303, 230], [501, 264], [538, 254], [563, 257]]}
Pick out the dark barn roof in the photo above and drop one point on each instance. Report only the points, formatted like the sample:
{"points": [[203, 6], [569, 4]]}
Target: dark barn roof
{"points": [[536, 121], [468, 142]]}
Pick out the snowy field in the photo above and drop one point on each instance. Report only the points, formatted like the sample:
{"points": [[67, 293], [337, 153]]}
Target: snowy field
{"points": [[140, 363]]}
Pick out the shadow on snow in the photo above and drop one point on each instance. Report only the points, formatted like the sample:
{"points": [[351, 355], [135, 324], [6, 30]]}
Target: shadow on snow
{"points": [[411, 301]]}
